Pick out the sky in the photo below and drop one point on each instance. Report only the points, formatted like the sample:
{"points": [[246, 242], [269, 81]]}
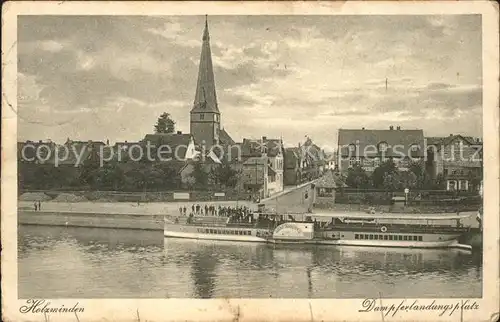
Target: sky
{"points": [[110, 77]]}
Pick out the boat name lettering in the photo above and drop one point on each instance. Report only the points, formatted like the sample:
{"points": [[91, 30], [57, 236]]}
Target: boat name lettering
{"points": [[288, 226]]}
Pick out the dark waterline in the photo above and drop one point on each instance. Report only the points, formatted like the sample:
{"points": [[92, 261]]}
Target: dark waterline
{"points": [[60, 262]]}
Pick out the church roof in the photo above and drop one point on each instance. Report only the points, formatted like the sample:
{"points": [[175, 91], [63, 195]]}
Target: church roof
{"points": [[225, 138], [205, 99]]}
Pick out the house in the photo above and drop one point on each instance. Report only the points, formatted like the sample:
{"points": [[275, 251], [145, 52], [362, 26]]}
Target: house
{"points": [[35, 152], [313, 160], [369, 148], [255, 177], [327, 187], [458, 159], [292, 172], [272, 152]]}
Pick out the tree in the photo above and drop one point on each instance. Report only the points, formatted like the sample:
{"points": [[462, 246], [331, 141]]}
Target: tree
{"points": [[224, 174], [200, 176], [357, 178], [165, 124], [381, 173]]}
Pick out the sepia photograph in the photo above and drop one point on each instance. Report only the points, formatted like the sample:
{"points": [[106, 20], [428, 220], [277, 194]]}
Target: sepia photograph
{"points": [[190, 154]]}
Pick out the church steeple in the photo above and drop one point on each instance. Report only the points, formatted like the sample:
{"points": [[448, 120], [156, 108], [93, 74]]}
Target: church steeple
{"points": [[205, 99]]}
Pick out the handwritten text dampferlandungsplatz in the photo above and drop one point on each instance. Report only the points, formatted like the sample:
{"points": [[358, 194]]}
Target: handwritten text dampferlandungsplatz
{"points": [[373, 305]]}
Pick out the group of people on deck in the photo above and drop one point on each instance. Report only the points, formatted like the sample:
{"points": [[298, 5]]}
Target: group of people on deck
{"points": [[212, 210]]}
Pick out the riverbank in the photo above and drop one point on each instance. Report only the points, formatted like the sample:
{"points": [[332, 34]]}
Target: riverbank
{"points": [[140, 217]]}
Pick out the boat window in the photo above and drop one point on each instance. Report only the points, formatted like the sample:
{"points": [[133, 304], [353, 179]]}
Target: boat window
{"points": [[249, 232], [376, 236], [386, 237], [366, 236], [371, 236], [400, 237], [356, 236], [405, 237], [415, 238], [419, 238]]}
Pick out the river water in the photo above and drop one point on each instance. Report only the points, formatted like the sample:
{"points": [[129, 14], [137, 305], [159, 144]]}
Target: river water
{"points": [[63, 262]]}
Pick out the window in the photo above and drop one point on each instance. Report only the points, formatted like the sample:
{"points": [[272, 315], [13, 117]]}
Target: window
{"points": [[249, 232], [382, 147], [376, 236], [415, 238], [371, 236], [405, 237], [419, 238], [366, 236], [390, 237], [400, 237], [356, 236], [352, 162], [202, 116], [386, 237]]}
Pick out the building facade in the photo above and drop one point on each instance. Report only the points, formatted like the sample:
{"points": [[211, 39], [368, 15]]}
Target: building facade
{"points": [[370, 148], [457, 159]]}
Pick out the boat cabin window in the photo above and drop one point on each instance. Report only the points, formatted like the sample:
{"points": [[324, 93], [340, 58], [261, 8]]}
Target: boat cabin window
{"points": [[400, 237], [415, 238], [386, 237], [405, 237]]}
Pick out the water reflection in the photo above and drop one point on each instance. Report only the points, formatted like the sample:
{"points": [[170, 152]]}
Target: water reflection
{"points": [[85, 262]]}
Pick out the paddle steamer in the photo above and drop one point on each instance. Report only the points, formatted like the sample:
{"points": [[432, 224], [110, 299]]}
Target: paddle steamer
{"points": [[381, 230]]}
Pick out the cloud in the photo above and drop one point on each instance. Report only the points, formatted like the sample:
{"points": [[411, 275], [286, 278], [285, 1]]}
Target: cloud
{"points": [[280, 75]]}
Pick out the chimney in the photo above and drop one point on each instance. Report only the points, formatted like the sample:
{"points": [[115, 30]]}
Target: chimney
{"points": [[179, 132], [107, 142], [391, 127], [451, 134], [399, 127], [264, 138]]}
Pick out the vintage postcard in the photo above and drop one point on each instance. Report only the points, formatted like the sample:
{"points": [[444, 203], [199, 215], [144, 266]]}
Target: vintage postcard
{"points": [[250, 161]]}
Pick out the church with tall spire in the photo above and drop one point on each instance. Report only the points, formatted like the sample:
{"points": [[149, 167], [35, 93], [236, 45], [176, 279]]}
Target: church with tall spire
{"points": [[205, 121]]}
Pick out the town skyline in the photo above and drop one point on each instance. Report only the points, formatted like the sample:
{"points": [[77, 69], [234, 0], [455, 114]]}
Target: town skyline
{"points": [[258, 80]]}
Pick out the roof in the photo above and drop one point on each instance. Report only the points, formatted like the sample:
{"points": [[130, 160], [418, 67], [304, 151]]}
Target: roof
{"points": [[312, 153], [291, 158], [225, 138], [255, 160], [368, 141], [205, 99], [251, 147], [447, 140], [330, 180], [177, 143]]}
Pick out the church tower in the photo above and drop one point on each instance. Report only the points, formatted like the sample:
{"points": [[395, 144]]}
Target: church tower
{"points": [[205, 115]]}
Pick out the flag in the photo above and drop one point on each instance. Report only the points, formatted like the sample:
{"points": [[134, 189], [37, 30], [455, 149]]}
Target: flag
{"points": [[214, 157]]}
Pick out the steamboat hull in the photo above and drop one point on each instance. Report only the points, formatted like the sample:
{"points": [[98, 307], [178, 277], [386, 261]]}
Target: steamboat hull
{"points": [[334, 238]]}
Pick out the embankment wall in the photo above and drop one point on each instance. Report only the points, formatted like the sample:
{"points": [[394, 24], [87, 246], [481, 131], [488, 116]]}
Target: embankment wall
{"points": [[93, 220]]}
